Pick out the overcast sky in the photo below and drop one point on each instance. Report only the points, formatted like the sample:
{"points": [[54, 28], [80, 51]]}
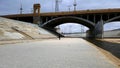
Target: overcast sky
{"points": [[13, 6]]}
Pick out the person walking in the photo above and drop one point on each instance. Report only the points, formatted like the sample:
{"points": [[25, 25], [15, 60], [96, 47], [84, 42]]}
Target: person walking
{"points": [[59, 37]]}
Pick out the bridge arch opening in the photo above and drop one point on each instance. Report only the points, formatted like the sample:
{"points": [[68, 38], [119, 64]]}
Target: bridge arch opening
{"points": [[117, 18], [51, 24], [67, 19], [72, 30], [111, 29]]}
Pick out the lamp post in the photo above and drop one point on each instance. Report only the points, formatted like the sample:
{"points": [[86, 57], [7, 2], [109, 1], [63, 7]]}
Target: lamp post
{"points": [[69, 6], [21, 8], [74, 4], [57, 5]]}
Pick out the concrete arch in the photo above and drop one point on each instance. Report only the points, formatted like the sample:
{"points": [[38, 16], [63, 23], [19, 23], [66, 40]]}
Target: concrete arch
{"points": [[112, 19], [61, 20]]}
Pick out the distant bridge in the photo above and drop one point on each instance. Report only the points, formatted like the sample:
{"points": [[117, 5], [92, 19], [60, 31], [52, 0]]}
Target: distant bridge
{"points": [[93, 19]]}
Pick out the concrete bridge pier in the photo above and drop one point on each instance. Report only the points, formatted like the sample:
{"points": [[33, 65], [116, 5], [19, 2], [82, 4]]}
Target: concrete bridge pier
{"points": [[97, 32], [40, 21], [90, 34], [36, 19], [99, 29]]}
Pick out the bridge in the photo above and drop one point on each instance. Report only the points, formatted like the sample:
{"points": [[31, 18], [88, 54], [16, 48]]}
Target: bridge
{"points": [[93, 19]]}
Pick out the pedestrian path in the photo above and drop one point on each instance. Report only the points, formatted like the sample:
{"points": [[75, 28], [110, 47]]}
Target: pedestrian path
{"points": [[64, 53]]}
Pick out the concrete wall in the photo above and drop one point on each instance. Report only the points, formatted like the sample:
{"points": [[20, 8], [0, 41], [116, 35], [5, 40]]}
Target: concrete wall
{"points": [[76, 35], [112, 34], [106, 34]]}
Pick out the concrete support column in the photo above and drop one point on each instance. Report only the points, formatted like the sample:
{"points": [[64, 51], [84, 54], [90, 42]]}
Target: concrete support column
{"points": [[97, 32], [90, 34], [99, 29], [40, 21], [36, 19]]}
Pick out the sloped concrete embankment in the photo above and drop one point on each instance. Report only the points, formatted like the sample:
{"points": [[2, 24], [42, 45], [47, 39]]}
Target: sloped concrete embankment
{"points": [[17, 30]]}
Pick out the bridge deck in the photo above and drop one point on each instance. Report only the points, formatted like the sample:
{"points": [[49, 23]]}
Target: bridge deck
{"points": [[67, 13]]}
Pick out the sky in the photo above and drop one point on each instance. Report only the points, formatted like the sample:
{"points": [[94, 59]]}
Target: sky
{"points": [[13, 7]]}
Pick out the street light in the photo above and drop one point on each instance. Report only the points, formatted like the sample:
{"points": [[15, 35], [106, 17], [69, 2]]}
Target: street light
{"points": [[57, 5], [74, 4], [69, 6], [21, 8]]}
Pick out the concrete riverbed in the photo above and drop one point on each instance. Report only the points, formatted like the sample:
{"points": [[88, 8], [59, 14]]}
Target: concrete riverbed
{"points": [[53, 53]]}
